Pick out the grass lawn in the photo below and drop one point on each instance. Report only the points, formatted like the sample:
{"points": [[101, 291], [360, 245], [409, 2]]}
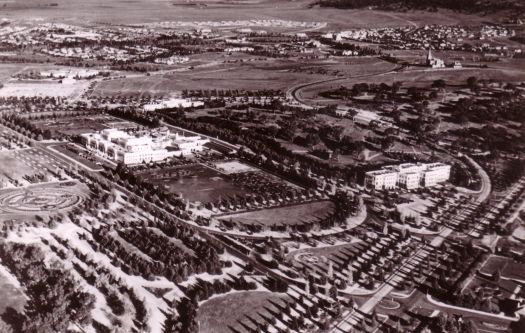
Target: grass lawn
{"points": [[44, 88], [217, 76], [201, 184], [505, 287], [62, 149], [296, 214], [18, 163], [13, 167], [10, 294], [82, 124], [507, 268], [220, 313], [329, 252]]}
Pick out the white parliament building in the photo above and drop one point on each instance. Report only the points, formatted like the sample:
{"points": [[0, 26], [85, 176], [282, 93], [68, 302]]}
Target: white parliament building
{"points": [[152, 146], [407, 175]]}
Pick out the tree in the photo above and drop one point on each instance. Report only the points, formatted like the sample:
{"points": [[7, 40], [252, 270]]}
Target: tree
{"points": [[472, 82], [439, 83], [187, 316]]}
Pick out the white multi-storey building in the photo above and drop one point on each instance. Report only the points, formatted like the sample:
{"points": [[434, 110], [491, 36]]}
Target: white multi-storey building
{"points": [[381, 179], [409, 180], [121, 146], [408, 176], [436, 173]]}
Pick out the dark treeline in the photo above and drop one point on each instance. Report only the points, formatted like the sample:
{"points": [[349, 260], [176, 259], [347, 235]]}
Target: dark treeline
{"points": [[463, 5]]}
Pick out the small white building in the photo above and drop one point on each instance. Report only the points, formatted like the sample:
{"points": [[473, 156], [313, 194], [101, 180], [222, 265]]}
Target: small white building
{"points": [[364, 117], [173, 103]]}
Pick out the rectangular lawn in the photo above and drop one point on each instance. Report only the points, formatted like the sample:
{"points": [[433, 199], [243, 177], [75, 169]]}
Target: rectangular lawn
{"points": [[200, 183], [292, 215]]}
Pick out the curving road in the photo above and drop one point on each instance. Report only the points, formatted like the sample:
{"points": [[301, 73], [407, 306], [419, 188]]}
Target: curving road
{"points": [[293, 92]]}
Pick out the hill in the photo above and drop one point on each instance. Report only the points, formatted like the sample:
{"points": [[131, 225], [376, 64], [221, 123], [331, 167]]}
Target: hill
{"points": [[472, 6]]}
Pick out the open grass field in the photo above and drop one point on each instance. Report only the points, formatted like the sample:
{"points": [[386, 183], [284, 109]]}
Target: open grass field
{"points": [[291, 215], [63, 149], [82, 124], [136, 11], [230, 167], [13, 167], [10, 293], [7, 70], [420, 77], [227, 313], [18, 163], [215, 74], [506, 266], [201, 184], [43, 89], [217, 77]]}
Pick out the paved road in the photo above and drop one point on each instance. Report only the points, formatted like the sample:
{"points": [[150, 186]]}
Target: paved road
{"points": [[292, 93], [352, 318]]}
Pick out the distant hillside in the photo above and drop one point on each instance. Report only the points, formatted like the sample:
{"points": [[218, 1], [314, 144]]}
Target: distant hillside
{"points": [[460, 5]]}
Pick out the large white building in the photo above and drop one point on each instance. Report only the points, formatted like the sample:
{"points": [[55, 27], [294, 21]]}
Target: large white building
{"points": [[381, 179], [158, 145], [173, 103], [408, 176]]}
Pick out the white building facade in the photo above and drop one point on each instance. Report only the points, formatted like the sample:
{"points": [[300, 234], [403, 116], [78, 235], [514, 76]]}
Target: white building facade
{"points": [[120, 146], [173, 103], [408, 176]]}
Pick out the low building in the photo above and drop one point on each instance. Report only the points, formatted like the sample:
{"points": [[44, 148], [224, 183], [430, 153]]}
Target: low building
{"points": [[173, 103], [366, 118]]}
